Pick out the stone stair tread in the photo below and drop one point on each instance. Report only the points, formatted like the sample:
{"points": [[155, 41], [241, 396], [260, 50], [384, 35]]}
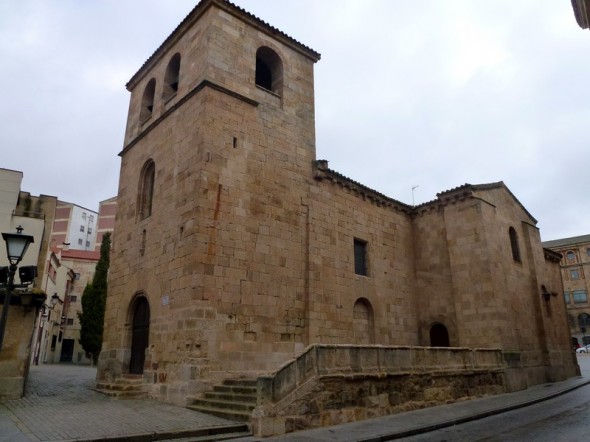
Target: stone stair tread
{"points": [[241, 382], [234, 389], [224, 405], [232, 397], [243, 416]]}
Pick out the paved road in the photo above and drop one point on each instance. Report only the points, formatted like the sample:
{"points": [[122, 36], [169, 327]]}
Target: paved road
{"points": [[61, 405], [563, 419]]}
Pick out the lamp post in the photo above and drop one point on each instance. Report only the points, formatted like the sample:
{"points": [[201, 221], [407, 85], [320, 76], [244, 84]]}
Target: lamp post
{"points": [[16, 247]]}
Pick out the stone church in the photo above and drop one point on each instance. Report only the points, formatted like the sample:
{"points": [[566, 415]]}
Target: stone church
{"points": [[237, 255]]}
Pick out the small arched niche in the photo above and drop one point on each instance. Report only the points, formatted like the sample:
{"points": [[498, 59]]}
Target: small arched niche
{"points": [[363, 322], [439, 336]]}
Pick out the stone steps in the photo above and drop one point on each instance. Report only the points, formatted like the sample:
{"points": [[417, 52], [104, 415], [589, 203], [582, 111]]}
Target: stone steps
{"points": [[128, 386], [234, 399]]}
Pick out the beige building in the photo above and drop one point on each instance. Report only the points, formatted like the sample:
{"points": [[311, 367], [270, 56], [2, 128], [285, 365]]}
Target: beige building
{"points": [[238, 255], [58, 325], [70, 267], [575, 272], [35, 216]]}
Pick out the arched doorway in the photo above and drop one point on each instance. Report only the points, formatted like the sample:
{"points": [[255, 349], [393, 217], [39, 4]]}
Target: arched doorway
{"points": [[140, 333], [439, 336]]}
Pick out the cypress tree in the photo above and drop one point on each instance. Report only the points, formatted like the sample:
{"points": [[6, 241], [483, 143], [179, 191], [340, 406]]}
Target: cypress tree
{"points": [[93, 303]]}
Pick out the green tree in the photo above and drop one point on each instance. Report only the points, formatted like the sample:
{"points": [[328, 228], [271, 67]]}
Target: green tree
{"points": [[93, 303]]}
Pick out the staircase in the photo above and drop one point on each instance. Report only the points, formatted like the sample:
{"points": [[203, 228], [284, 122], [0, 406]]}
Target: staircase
{"points": [[234, 399], [129, 386]]}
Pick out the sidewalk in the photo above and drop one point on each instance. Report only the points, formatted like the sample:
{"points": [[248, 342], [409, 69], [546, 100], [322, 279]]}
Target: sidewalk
{"points": [[428, 419], [60, 405]]}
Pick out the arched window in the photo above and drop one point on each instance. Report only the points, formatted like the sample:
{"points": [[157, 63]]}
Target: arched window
{"points": [[147, 101], [514, 244], [146, 189], [439, 336], [171, 78], [362, 314], [570, 256], [269, 70]]}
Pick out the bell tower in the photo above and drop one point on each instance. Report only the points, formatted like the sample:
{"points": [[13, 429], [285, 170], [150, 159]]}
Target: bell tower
{"points": [[215, 174]]}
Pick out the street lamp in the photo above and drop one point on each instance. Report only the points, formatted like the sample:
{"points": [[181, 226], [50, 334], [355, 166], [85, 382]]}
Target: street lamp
{"points": [[16, 247]]}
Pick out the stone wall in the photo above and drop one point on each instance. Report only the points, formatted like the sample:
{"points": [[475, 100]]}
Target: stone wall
{"points": [[16, 349], [330, 385]]}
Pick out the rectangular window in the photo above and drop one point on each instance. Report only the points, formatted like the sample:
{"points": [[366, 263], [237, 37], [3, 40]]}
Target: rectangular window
{"points": [[80, 242], [580, 296], [73, 298], [574, 274], [53, 342], [360, 257], [70, 321], [89, 229], [81, 228], [566, 296], [91, 218], [76, 276], [87, 244], [83, 215]]}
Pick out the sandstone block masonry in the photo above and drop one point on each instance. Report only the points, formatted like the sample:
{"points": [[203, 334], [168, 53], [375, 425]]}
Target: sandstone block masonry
{"points": [[235, 249]]}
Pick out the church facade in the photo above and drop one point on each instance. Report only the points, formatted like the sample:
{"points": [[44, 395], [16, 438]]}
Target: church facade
{"points": [[235, 249]]}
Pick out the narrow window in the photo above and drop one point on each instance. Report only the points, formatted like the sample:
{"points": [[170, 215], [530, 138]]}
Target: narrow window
{"points": [[81, 228], [269, 70], [360, 257], [147, 101], [514, 244], [142, 245], [146, 189], [439, 336], [566, 296], [171, 77], [574, 274]]}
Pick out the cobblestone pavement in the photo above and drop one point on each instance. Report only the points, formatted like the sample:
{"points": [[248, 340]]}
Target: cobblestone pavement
{"points": [[60, 405]]}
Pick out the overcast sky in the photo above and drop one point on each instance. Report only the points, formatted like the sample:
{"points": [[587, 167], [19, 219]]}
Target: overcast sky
{"points": [[427, 93]]}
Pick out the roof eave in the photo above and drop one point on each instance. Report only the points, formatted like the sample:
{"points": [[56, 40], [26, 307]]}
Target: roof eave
{"points": [[232, 9]]}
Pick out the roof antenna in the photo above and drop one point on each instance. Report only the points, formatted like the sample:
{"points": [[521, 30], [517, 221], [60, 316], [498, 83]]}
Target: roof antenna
{"points": [[414, 188]]}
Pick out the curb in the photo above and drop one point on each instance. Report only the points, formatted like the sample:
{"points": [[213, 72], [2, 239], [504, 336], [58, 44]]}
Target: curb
{"points": [[480, 415]]}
